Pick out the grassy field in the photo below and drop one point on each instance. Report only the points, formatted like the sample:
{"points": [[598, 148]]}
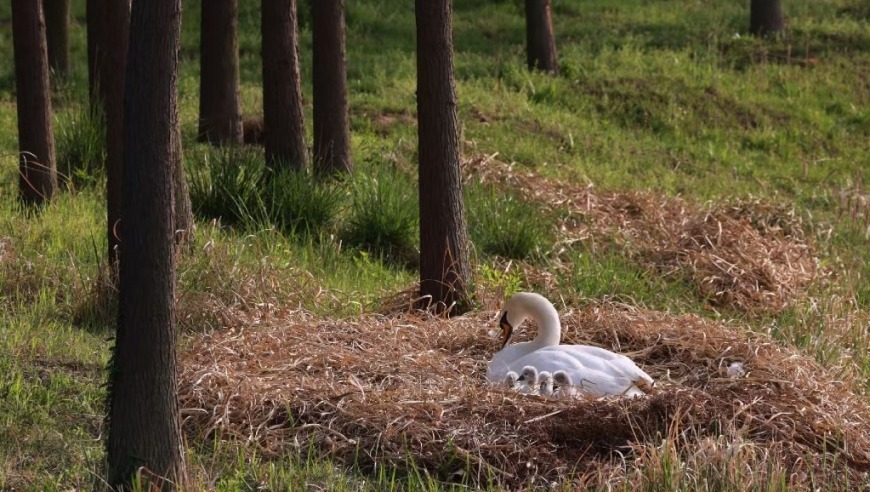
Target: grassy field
{"points": [[670, 98]]}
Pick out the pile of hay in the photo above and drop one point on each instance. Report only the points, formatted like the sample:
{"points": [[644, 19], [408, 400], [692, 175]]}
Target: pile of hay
{"points": [[747, 255], [403, 390]]}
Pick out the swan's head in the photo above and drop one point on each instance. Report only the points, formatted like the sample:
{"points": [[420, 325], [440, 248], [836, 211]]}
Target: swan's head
{"points": [[516, 310], [545, 379], [562, 378], [529, 376]]}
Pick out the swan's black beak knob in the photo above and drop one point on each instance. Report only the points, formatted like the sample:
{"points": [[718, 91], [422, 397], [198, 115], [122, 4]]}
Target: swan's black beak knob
{"points": [[506, 329]]}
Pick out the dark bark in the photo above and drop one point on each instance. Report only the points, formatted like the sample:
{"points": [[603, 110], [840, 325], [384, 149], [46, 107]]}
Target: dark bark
{"points": [[117, 26], [37, 182], [331, 134], [144, 431], [765, 17], [540, 43], [444, 263], [57, 34], [184, 224], [284, 138], [220, 113], [95, 13]]}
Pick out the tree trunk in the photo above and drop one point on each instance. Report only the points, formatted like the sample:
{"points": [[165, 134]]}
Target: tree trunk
{"points": [[95, 13], [765, 17], [444, 264], [282, 87], [144, 433], [57, 34], [37, 182], [184, 224], [540, 44], [117, 27], [220, 113], [331, 136]]}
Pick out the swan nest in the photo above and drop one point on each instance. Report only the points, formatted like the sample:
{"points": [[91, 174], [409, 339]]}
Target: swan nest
{"points": [[409, 390]]}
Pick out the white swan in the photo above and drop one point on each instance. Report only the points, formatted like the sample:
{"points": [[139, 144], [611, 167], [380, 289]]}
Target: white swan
{"points": [[545, 384], [601, 371]]}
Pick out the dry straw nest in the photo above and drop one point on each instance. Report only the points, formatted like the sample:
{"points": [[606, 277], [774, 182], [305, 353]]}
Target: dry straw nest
{"points": [[748, 255], [409, 390]]}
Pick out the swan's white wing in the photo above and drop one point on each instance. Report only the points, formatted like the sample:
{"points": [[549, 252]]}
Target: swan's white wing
{"points": [[614, 375]]}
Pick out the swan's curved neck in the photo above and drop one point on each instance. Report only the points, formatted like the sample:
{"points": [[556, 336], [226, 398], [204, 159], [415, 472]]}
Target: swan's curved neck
{"points": [[547, 318]]}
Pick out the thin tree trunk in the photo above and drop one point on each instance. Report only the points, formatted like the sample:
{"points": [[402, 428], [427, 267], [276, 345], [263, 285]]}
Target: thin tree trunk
{"points": [[144, 432], [444, 264], [57, 34], [765, 17], [184, 223], [117, 27], [282, 87], [331, 133], [95, 23], [220, 113], [540, 43], [37, 181]]}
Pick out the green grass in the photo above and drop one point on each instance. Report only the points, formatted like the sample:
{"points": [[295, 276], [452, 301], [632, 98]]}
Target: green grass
{"points": [[670, 97]]}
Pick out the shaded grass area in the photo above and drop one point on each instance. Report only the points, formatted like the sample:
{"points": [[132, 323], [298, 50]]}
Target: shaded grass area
{"points": [[664, 96]]}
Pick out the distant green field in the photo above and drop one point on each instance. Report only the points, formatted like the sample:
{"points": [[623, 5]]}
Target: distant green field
{"points": [[671, 97]]}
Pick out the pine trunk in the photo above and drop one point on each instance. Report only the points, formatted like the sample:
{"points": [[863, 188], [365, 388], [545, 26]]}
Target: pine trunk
{"points": [[57, 34], [96, 17], [282, 87], [117, 27], [220, 113], [444, 264], [331, 134], [184, 223], [765, 17], [37, 182], [144, 432], [540, 43]]}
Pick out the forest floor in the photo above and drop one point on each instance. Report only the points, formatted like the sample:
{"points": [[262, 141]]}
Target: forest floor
{"points": [[683, 192]]}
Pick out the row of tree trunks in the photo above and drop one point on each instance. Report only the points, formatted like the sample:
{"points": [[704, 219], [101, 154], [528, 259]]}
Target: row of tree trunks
{"points": [[444, 262], [331, 133], [540, 42], [220, 112], [37, 172], [282, 87], [114, 31], [57, 34], [144, 432]]}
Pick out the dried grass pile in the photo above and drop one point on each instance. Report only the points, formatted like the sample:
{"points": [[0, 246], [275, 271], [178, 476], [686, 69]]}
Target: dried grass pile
{"points": [[748, 255], [400, 389]]}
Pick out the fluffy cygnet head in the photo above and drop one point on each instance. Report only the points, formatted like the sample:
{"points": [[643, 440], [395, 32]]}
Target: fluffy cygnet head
{"points": [[510, 380], [529, 376], [545, 380], [562, 379]]}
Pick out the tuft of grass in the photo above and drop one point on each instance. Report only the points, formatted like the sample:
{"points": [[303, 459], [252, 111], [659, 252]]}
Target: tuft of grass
{"points": [[226, 183], [299, 203], [384, 215], [500, 224], [80, 135]]}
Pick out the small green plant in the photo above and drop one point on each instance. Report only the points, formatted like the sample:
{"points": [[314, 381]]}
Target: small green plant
{"points": [[81, 146], [499, 224], [384, 215], [300, 203], [226, 183]]}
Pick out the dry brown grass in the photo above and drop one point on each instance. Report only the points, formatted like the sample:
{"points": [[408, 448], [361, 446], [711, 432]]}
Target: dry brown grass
{"points": [[748, 255], [409, 388]]}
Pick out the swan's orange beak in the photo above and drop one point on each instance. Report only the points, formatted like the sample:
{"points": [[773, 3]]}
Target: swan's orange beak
{"points": [[506, 330]]}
